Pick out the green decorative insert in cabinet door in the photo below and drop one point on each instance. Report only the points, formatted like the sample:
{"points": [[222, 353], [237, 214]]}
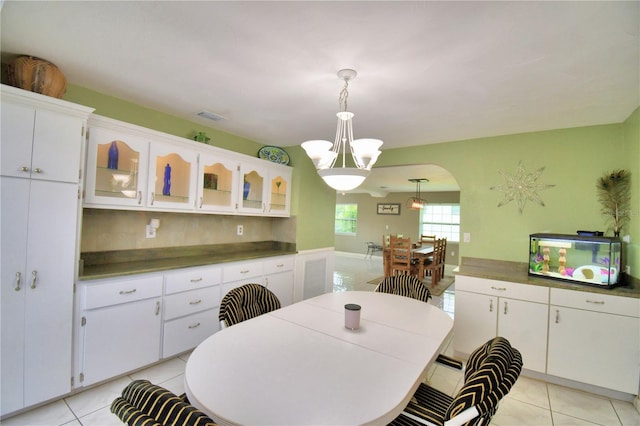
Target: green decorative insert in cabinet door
{"points": [[278, 193]]}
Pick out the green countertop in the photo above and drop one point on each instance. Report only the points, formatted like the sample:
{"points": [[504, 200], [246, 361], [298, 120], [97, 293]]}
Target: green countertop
{"points": [[518, 272], [96, 265]]}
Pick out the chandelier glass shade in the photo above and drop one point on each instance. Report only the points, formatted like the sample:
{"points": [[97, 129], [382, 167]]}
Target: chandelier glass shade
{"points": [[364, 152]]}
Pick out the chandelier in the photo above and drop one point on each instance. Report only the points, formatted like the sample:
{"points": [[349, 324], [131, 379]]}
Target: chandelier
{"points": [[416, 203], [364, 152]]}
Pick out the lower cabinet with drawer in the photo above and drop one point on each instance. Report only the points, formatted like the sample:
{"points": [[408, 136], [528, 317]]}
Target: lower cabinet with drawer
{"points": [[595, 339], [488, 308], [191, 303], [120, 326]]}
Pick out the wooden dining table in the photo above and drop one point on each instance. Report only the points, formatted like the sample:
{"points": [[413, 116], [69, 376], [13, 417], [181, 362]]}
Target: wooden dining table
{"points": [[420, 253], [299, 365]]}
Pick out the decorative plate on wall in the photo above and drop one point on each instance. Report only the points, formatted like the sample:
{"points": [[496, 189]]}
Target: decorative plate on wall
{"points": [[274, 154]]}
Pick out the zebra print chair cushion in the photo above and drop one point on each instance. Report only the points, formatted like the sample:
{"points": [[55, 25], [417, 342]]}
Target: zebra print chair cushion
{"points": [[145, 404], [246, 302], [405, 285], [492, 370]]}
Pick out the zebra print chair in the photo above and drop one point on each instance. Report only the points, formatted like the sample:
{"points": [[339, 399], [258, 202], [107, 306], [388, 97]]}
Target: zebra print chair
{"points": [[404, 285], [145, 404], [491, 371], [246, 302], [413, 287]]}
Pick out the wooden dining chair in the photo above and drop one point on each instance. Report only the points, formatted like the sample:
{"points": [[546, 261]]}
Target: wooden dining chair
{"points": [[491, 372], [246, 302], [434, 266], [400, 259]]}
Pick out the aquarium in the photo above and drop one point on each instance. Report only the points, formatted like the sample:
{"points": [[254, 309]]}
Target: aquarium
{"points": [[592, 260]]}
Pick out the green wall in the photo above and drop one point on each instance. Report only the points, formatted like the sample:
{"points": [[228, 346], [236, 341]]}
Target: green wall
{"points": [[573, 160]]}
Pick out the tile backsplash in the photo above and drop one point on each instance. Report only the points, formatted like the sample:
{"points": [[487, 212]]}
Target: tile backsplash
{"points": [[104, 230]]}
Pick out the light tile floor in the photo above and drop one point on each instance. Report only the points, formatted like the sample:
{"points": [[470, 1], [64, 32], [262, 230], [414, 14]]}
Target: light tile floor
{"points": [[530, 402]]}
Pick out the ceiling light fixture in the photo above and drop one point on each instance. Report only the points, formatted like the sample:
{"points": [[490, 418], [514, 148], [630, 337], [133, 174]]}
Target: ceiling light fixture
{"points": [[416, 203], [364, 152]]}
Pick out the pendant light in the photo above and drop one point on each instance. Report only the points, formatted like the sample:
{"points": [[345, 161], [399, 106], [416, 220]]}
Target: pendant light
{"points": [[416, 203]]}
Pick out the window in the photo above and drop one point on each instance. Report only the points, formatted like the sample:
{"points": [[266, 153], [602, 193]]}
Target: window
{"points": [[346, 219], [441, 220]]}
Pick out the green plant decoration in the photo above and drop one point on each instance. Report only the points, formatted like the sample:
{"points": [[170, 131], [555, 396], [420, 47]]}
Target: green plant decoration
{"points": [[614, 193]]}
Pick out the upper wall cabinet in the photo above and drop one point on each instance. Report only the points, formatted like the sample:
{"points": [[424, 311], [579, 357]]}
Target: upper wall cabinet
{"points": [[130, 167], [41, 139], [116, 168]]}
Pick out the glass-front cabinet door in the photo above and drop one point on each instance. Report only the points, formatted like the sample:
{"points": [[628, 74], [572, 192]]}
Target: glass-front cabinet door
{"points": [[253, 188], [217, 183], [116, 171], [280, 193], [172, 177]]}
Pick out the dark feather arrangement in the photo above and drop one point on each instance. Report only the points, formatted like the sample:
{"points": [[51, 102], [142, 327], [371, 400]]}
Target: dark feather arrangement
{"points": [[614, 193]]}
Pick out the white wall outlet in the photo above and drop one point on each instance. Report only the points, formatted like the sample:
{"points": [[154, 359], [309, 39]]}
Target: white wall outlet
{"points": [[150, 232], [626, 239], [239, 230], [627, 269], [466, 237]]}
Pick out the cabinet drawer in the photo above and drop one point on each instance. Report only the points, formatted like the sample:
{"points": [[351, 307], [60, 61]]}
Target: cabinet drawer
{"points": [[180, 304], [526, 292], [596, 302], [278, 264], [242, 271], [191, 279], [185, 333], [113, 292]]}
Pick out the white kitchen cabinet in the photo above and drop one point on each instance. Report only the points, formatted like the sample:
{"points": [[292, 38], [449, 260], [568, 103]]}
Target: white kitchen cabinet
{"points": [[236, 274], [39, 225], [39, 143], [254, 188], [595, 339], [487, 308], [119, 181], [191, 303], [172, 177], [279, 196], [218, 183], [120, 326], [278, 277]]}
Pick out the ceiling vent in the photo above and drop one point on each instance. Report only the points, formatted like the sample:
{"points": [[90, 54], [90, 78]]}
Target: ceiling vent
{"points": [[211, 116]]}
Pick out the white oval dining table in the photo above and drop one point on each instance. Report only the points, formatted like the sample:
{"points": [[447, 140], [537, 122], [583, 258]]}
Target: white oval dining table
{"points": [[299, 365]]}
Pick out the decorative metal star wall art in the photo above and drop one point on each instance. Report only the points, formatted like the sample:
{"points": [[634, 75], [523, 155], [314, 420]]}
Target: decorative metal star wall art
{"points": [[522, 187]]}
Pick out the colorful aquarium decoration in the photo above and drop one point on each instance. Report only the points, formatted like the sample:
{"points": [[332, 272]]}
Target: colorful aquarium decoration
{"points": [[592, 260]]}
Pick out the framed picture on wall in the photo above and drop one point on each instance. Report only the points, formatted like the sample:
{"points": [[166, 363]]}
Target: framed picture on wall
{"points": [[389, 208]]}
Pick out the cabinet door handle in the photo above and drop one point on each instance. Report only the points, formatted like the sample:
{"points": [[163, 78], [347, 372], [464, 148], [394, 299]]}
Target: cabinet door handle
{"points": [[37, 170], [196, 280], [505, 308], [24, 169], [490, 305], [139, 197], [194, 325], [280, 265], [596, 302], [18, 278], [195, 302], [133, 290], [499, 288], [34, 278], [201, 201], [557, 316], [153, 197], [157, 308], [246, 271]]}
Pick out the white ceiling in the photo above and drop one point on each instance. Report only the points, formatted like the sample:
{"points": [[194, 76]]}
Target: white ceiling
{"points": [[428, 72]]}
